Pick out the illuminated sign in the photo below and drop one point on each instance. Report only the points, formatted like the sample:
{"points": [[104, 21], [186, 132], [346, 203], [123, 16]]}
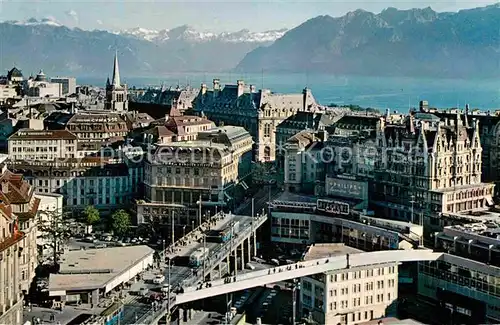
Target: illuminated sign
{"points": [[333, 207], [346, 188]]}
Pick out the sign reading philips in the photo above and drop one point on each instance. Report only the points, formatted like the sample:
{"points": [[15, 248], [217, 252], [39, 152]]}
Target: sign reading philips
{"points": [[333, 207], [346, 188]]}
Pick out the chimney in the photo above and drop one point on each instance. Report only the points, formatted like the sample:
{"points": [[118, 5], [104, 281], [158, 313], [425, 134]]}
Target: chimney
{"points": [[241, 87], [216, 83], [323, 135]]}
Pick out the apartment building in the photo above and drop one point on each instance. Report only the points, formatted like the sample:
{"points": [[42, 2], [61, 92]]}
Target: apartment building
{"points": [[11, 297], [303, 161], [175, 127], [96, 127], [259, 112], [102, 182], [68, 84], [178, 174], [28, 145], [18, 251], [348, 296]]}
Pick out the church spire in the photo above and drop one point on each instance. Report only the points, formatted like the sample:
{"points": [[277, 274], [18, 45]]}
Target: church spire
{"points": [[116, 72]]}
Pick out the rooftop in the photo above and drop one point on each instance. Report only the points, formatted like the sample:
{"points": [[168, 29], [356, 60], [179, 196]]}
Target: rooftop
{"points": [[317, 251], [94, 268], [27, 134], [488, 229]]}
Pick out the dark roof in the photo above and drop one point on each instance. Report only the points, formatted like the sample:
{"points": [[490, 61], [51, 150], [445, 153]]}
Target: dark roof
{"points": [[14, 72]]}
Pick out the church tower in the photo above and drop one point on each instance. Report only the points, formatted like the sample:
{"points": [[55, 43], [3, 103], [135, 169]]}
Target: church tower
{"points": [[116, 93]]}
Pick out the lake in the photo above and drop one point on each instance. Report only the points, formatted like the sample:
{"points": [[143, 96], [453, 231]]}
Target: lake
{"points": [[395, 93]]}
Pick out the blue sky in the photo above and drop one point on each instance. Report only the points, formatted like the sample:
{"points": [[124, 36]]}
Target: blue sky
{"points": [[217, 16]]}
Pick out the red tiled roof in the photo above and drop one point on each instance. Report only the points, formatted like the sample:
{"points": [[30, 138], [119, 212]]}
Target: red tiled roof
{"points": [[14, 190], [31, 213]]}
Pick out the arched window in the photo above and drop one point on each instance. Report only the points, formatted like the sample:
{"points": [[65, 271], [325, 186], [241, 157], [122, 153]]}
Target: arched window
{"points": [[267, 153]]}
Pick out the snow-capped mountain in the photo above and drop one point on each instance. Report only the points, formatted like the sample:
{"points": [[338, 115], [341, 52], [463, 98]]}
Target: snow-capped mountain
{"points": [[36, 22], [189, 34], [62, 49]]}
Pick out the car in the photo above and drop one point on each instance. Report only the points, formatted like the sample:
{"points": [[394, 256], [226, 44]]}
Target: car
{"points": [[143, 292], [165, 288], [159, 279], [250, 266]]}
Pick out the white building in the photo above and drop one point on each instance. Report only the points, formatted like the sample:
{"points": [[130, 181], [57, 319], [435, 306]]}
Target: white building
{"points": [[28, 144], [68, 84], [41, 87], [347, 296], [7, 91]]}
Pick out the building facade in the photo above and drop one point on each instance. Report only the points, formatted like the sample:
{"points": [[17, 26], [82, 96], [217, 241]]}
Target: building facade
{"points": [[101, 182], [68, 84], [24, 206], [99, 128], [258, 112], [42, 145], [428, 169], [184, 176], [348, 296], [41, 87]]}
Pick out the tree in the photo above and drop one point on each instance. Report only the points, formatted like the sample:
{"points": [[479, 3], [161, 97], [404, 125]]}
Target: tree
{"points": [[55, 230], [91, 215], [120, 222]]}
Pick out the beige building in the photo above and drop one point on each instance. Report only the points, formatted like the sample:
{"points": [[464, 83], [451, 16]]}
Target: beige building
{"points": [[429, 168], [259, 112], [178, 174], [90, 128], [18, 251], [28, 144], [348, 296]]}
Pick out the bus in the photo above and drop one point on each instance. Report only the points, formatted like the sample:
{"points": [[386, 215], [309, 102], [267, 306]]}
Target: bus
{"points": [[198, 256], [225, 235], [113, 314]]}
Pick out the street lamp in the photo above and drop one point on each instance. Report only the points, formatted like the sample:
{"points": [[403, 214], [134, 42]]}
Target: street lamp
{"points": [[294, 297], [163, 250]]}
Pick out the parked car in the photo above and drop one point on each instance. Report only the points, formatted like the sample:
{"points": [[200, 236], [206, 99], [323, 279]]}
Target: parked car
{"points": [[159, 279], [165, 288], [143, 292], [250, 266]]}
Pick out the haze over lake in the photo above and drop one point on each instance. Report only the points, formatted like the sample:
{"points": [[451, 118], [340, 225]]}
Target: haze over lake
{"points": [[395, 93]]}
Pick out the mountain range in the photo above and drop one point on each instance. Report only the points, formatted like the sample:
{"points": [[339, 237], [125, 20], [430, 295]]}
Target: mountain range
{"points": [[35, 44], [415, 42]]}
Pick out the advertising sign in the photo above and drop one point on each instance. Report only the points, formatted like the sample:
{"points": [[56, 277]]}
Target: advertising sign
{"points": [[333, 207], [346, 188]]}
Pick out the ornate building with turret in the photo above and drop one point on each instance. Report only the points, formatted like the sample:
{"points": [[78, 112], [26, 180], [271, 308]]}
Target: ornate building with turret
{"points": [[428, 167], [116, 92]]}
